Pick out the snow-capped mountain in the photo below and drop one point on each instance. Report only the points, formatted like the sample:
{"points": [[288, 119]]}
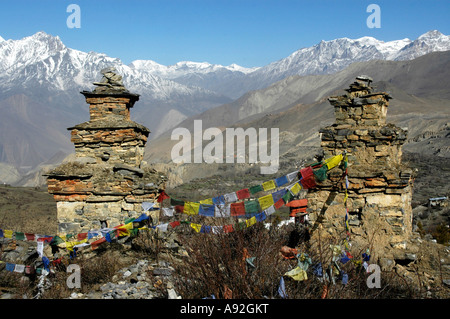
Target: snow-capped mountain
{"points": [[40, 81], [43, 59], [329, 57], [325, 57]]}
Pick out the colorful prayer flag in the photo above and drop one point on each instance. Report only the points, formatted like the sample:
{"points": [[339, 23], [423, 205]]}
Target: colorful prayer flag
{"points": [[251, 221], [222, 210], [19, 235], [278, 204], [269, 185], [176, 202], [206, 210], [162, 197], [333, 161], [230, 197], [237, 209], [219, 200], [278, 194], [255, 189], [207, 201], [295, 189], [251, 207], [308, 180], [266, 201], [280, 181], [243, 193], [196, 227], [191, 208]]}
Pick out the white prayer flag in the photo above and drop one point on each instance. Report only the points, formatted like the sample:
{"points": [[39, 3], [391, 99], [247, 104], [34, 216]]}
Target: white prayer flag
{"points": [[162, 227], [19, 268], [167, 211], [222, 210], [270, 210], [230, 197]]}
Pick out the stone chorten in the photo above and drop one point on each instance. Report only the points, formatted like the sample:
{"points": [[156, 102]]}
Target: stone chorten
{"points": [[107, 181], [379, 191]]}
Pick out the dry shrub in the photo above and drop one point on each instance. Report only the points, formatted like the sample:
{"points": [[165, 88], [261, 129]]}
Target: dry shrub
{"points": [[216, 264], [94, 271]]}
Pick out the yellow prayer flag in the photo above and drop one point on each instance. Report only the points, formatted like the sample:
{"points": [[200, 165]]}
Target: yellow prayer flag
{"points": [[334, 161], [295, 189], [207, 201], [251, 221], [7, 233], [70, 244], [128, 226], [191, 208], [297, 274], [269, 185], [266, 201], [196, 227]]}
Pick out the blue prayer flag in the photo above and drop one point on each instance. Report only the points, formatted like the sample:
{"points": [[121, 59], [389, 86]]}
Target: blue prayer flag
{"points": [[282, 289], [219, 200], [206, 210], [280, 181]]}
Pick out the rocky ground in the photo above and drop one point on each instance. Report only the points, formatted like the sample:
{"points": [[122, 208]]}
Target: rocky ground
{"points": [[425, 263]]}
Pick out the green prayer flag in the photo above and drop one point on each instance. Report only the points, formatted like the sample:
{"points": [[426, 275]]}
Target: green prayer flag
{"points": [[241, 225], [287, 197], [134, 232], [56, 240], [176, 202], [19, 235], [255, 189], [321, 173], [251, 207]]}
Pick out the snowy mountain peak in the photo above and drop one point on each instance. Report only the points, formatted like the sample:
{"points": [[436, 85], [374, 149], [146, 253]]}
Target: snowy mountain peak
{"points": [[1, 39], [433, 34]]}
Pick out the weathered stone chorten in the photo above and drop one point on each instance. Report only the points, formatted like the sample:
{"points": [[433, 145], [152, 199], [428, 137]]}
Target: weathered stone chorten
{"points": [[107, 181], [379, 190]]}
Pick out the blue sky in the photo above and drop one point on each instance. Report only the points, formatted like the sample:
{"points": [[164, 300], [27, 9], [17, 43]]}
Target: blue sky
{"points": [[247, 32]]}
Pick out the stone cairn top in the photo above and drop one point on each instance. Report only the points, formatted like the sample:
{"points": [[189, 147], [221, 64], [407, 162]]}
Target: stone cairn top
{"points": [[110, 83]]}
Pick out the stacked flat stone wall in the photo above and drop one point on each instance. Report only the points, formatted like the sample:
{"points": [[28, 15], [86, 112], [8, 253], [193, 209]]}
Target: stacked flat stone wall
{"points": [[108, 181], [380, 186]]}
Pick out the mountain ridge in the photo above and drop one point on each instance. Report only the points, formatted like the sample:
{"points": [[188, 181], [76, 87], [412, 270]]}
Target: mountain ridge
{"points": [[40, 76]]}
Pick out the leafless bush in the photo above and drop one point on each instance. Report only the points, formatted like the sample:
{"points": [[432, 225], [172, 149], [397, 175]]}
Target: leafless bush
{"points": [[217, 266]]}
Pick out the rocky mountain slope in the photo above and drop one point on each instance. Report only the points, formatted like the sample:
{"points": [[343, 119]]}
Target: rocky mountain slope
{"points": [[298, 107]]}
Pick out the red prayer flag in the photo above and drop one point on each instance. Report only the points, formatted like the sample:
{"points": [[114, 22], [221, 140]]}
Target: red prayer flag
{"points": [[243, 193], [308, 180], [29, 236], [179, 209], [228, 228], [237, 209], [162, 197], [175, 223], [82, 236], [96, 243], [279, 203]]}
